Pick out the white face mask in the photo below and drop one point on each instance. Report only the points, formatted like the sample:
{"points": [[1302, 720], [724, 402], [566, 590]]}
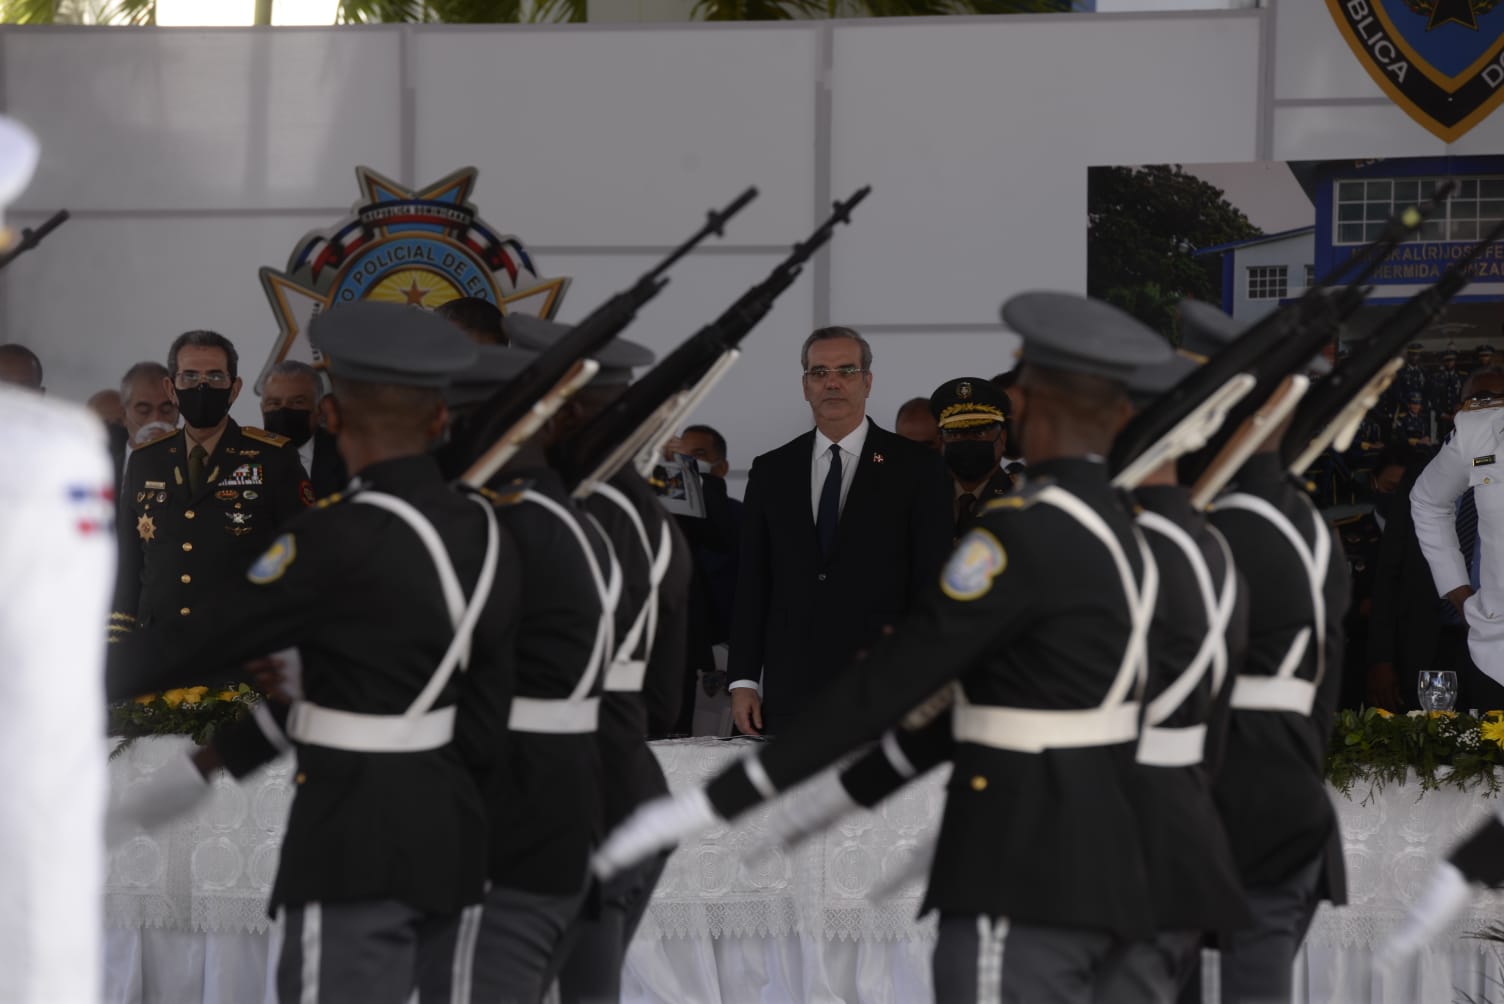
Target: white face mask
{"points": [[703, 466], [151, 430]]}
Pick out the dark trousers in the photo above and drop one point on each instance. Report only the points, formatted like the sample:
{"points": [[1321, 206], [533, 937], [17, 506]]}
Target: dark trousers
{"points": [[591, 972], [366, 952], [1258, 962], [981, 961], [502, 950]]}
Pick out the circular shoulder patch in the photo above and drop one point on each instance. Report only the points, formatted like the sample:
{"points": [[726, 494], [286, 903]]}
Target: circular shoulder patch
{"points": [[977, 560], [274, 561]]}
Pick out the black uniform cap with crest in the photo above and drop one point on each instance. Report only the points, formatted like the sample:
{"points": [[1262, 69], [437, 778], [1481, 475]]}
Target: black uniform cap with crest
{"points": [[1077, 334], [385, 343], [617, 358], [967, 402]]}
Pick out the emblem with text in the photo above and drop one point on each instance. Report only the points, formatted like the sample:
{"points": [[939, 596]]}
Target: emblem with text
{"points": [[1442, 61], [421, 247]]}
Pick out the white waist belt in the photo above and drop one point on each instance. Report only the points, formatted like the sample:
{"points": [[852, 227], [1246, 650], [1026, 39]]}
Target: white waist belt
{"points": [[1034, 730], [555, 716], [1273, 693], [358, 733], [1172, 747], [626, 675]]}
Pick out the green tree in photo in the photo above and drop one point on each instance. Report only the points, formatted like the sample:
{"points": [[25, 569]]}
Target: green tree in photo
{"points": [[1144, 225]]}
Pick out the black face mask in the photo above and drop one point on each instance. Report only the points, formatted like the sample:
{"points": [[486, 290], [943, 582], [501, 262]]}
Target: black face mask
{"points": [[204, 407], [294, 423], [1383, 503], [970, 459]]}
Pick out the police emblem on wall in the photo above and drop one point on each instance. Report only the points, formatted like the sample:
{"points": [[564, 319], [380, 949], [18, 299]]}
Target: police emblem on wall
{"points": [[420, 247], [1442, 61]]}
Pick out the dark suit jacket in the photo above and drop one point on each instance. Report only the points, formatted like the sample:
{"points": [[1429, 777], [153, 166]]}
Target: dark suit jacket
{"points": [[799, 618], [327, 472], [1405, 620]]}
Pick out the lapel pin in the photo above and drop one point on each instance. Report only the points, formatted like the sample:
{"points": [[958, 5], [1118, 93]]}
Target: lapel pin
{"points": [[877, 458]]}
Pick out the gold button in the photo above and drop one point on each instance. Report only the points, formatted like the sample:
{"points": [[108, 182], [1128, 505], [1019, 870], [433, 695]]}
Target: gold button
{"points": [[185, 611], [187, 545], [978, 783], [186, 579], [301, 777], [237, 505], [1488, 481], [189, 514]]}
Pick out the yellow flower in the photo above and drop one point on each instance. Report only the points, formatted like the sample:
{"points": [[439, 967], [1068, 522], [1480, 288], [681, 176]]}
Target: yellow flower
{"points": [[227, 695], [1442, 714], [1493, 714], [173, 698], [193, 695], [1493, 730], [146, 698], [1382, 713]]}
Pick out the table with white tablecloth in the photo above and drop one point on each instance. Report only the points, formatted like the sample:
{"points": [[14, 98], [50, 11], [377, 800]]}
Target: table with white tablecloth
{"points": [[734, 920]]}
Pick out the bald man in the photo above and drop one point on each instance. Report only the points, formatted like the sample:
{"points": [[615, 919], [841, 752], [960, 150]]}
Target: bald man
{"points": [[20, 367]]}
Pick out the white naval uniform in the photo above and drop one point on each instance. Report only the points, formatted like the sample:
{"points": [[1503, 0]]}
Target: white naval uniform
{"points": [[1473, 457], [57, 570]]}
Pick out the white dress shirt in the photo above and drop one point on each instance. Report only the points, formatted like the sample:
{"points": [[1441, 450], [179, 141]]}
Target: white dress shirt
{"points": [[851, 454], [305, 454]]}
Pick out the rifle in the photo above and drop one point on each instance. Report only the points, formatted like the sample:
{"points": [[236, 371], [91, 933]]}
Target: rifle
{"points": [[505, 419], [635, 426], [1334, 409], [1218, 395], [31, 238]]}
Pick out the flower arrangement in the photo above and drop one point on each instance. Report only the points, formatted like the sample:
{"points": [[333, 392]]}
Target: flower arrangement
{"points": [[1441, 748], [197, 712]]}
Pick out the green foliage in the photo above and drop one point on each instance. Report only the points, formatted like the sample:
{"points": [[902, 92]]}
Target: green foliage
{"points": [[1143, 224], [198, 712], [1440, 749], [28, 11]]}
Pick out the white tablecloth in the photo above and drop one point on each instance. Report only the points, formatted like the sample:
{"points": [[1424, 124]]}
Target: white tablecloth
{"points": [[186, 917]]}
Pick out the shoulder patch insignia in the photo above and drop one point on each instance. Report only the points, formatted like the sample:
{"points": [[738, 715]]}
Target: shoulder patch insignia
{"points": [[1482, 403], [510, 493], [262, 436], [273, 561], [977, 560], [153, 441]]}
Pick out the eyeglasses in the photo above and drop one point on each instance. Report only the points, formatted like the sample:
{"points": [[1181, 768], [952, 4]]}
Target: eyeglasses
{"points": [[822, 372], [187, 379]]}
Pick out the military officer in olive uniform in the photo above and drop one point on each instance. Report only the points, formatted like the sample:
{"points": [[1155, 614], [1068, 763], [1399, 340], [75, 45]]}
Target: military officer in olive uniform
{"points": [[972, 415], [1039, 623], [201, 502], [400, 597]]}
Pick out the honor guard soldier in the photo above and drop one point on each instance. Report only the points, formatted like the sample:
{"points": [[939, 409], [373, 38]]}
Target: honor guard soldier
{"points": [[973, 417], [1411, 379], [644, 682], [1485, 357], [400, 599], [198, 504], [545, 802], [1271, 788], [1413, 425], [1039, 623]]}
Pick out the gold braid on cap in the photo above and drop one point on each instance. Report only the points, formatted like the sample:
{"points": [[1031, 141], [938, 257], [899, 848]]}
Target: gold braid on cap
{"points": [[1194, 357], [961, 416]]}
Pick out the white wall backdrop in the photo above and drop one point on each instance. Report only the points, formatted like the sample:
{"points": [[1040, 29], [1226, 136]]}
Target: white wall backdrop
{"points": [[189, 158]]}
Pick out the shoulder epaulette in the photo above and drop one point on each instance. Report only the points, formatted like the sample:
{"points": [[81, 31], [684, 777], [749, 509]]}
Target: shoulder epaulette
{"points": [[262, 436], [328, 500], [1482, 403], [510, 493], [933, 707], [1021, 497], [153, 441]]}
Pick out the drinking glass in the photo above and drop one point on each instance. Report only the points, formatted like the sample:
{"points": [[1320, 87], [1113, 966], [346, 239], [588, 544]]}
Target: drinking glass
{"points": [[1437, 689]]}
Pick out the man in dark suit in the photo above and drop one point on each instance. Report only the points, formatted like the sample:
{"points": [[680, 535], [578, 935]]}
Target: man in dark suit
{"points": [[1405, 620], [844, 526]]}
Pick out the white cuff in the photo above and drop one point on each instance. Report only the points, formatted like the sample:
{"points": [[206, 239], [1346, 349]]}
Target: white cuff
{"points": [[746, 685]]}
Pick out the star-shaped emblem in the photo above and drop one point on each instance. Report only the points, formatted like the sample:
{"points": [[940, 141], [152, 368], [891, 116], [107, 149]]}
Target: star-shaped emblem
{"points": [[414, 295], [146, 527], [1453, 12], [238, 518]]}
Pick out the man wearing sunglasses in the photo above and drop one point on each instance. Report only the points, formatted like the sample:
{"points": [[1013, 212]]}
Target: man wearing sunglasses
{"points": [[200, 502], [842, 528]]}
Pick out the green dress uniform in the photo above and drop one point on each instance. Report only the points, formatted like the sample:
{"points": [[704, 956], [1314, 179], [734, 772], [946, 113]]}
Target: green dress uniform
{"points": [[176, 542]]}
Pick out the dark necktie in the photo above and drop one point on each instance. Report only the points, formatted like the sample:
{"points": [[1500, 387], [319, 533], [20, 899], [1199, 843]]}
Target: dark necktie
{"points": [[196, 458], [830, 504], [964, 502]]}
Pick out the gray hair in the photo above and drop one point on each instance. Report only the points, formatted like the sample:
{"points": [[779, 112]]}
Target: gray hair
{"points": [[293, 368], [148, 370], [1472, 378], [826, 334]]}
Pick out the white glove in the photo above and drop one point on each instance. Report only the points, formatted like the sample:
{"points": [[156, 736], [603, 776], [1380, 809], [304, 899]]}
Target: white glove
{"points": [[804, 811], [654, 826], [174, 790], [1432, 913]]}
